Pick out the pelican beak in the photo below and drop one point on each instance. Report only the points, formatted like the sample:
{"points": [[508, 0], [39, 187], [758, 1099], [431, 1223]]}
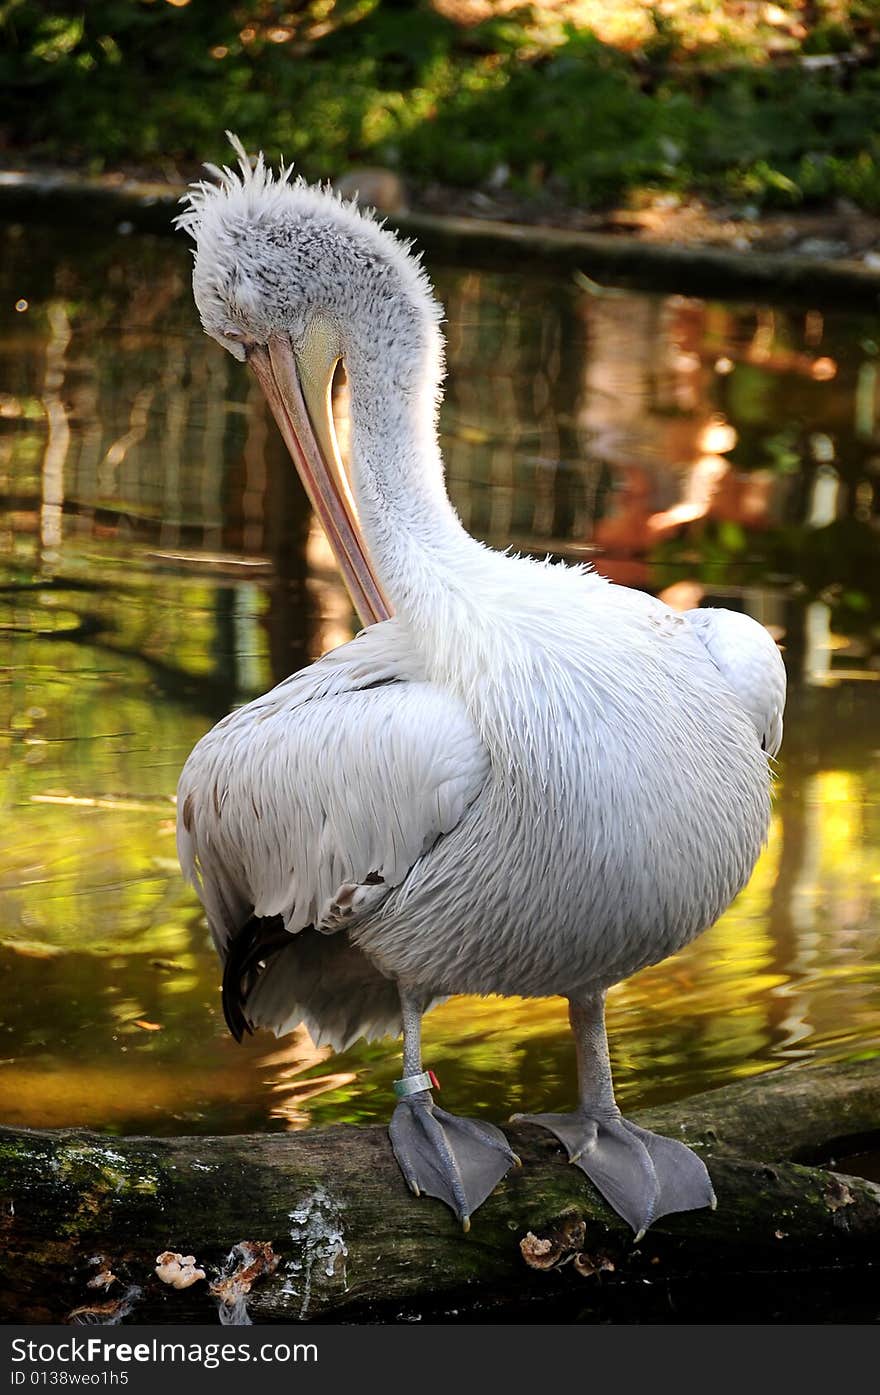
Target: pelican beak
{"points": [[297, 387]]}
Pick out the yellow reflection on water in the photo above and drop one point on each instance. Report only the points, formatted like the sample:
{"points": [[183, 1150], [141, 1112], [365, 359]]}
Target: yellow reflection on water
{"points": [[101, 938], [160, 566]]}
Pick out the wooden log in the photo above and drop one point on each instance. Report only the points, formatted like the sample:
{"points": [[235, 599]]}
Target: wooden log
{"points": [[326, 1228]]}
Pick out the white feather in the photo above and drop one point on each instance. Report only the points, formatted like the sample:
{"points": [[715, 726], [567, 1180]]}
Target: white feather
{"points": [[750, 661], [352, 769]]}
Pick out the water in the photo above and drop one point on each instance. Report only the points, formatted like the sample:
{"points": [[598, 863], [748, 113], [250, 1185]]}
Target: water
{"points": [[159, 565]]}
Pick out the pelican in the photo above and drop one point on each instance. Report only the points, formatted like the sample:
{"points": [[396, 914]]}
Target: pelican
{"points": [[518, 779]]}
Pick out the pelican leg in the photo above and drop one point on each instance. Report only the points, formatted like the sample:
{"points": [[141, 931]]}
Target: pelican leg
{"points": [[641, 1174], [459, 1161]]}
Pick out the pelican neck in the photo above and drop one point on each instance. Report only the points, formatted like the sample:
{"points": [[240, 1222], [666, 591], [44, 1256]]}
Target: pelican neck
{"points": [[415, 539]]}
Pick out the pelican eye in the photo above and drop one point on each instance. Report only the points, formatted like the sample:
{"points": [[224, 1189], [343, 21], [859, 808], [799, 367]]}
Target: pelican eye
{"points": [[239, 344]]}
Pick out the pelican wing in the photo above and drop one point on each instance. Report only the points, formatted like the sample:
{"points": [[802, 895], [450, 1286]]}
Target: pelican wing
{"points": [[314, 801], [749, 660]]}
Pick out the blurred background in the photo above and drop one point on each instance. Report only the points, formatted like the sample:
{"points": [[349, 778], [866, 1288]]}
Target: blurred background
{"points": [[575, 103], [159, 564]]}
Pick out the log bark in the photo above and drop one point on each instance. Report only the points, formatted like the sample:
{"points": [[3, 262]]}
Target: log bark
{"points": [[327, 1230]]}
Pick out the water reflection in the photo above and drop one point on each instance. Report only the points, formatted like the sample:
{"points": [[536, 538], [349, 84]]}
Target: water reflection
{"points": [[160, 565]]}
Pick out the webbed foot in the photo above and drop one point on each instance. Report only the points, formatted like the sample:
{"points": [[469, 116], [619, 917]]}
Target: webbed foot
{"points": [[459, 1161], [641, 1174]]}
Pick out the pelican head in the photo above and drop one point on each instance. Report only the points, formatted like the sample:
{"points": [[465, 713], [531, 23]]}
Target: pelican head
{"points": [[291, 279]]}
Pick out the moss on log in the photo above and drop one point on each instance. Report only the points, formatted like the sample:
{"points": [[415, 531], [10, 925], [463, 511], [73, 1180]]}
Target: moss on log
{"points": [[326, 1228]]}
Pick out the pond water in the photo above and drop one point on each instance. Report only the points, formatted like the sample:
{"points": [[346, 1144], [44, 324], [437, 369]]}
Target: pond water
{"points": [[159, 565]]}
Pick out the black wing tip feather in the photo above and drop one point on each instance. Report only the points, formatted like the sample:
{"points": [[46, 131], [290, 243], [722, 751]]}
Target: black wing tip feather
{"points": [[258, 940]]}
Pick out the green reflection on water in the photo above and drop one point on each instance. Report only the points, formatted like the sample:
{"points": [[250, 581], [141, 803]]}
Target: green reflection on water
{"points": [[159, 566]]}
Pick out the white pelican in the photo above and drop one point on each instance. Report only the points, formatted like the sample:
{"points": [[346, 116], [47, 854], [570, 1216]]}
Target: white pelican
{"points": [[528, 781]]}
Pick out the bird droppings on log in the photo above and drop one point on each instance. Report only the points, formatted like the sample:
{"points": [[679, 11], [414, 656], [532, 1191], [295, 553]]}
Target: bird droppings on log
{"points": [[317, 1235], [246, 1262]]}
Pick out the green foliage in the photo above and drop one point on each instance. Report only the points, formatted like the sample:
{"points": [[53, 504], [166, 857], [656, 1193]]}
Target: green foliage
{"points": [[351, 81]]}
